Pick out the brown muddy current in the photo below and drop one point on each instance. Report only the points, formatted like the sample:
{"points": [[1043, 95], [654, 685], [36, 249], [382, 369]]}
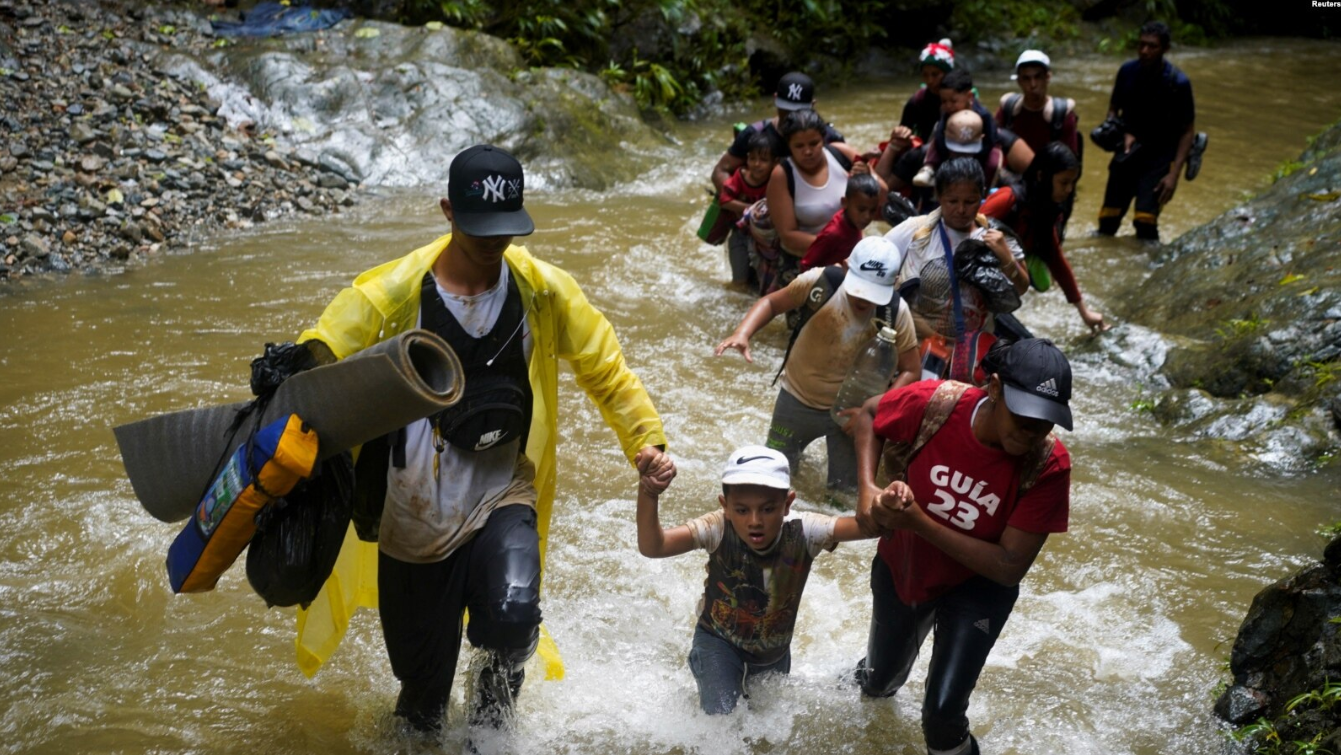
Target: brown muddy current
{"points": [[1118, 640]]}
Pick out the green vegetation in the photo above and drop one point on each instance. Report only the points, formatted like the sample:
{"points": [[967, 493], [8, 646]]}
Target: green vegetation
{"points": [[1293, 732], [668, 54], [1234, 330], [1049, 20]]}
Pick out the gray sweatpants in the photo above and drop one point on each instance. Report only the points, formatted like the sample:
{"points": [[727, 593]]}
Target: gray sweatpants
{"points": [[793, 428]]}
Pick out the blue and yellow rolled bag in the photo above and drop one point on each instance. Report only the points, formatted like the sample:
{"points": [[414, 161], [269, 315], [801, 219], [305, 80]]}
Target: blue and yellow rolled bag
{"points": [[282, 453]]}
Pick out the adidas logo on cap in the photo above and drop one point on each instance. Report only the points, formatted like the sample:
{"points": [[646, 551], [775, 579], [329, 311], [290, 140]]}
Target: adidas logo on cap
{"points": [[1048, 387]]}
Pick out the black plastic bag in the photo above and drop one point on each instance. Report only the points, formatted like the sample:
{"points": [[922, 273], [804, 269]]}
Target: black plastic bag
{"points": [[280, 362], [298, 537], [978, 266], [1110, 134]]}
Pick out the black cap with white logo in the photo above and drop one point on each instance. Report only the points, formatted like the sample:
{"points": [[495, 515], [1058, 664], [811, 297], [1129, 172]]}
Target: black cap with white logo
{"points": [[1037, 381], [484, 185], [795, 92]]}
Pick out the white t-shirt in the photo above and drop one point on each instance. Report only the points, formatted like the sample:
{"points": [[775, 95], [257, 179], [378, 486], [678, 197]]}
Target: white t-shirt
{"points": [[815, 206], [429, 514]]}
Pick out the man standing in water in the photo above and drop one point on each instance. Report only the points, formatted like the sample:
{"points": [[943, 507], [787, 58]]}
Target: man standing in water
{"points": [[1153, 99], [796, 91], [467, 493]]}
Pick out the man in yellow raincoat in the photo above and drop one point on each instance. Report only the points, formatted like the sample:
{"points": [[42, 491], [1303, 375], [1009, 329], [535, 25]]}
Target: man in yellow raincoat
{"points": [[467, 494]]}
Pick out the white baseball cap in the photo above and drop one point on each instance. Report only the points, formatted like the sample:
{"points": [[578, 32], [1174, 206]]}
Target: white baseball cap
{"points": [[872, 269], [757, 465], [1031, 57]]}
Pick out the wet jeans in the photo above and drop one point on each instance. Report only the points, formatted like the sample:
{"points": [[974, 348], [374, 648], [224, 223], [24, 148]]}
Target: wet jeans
{"points": [[721, 670], [967, 620]]}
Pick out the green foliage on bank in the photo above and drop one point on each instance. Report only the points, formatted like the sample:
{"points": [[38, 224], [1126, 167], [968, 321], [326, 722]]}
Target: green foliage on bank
{"points": [[670, 53], [1304, 727]]}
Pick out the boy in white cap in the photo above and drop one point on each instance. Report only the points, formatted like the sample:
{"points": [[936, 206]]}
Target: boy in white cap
{"points": [[759, 556], [838, 318]]}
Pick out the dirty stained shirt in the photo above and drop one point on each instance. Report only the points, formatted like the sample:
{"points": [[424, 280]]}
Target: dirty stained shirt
{"points": [[831, 340], [429, 515]]}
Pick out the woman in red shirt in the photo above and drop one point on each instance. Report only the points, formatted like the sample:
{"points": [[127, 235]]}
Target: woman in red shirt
{"points": [[986, 483], [1034, 211]]}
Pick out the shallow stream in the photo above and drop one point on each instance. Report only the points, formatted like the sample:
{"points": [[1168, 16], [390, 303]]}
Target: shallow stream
{"points": [[1119, 638]]}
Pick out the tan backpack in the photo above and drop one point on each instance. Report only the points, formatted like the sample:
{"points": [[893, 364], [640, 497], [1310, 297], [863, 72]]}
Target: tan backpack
{"points": [[897, 456]]}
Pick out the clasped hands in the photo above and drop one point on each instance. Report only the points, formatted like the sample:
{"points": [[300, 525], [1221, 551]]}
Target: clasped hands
{"points": [[880, 512], [655, 470]]}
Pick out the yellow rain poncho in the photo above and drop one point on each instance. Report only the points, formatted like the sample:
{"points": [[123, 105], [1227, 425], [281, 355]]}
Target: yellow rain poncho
{"points": [[384, 302]]}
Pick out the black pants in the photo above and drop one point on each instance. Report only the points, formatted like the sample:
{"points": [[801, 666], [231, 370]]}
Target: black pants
{"points": [[496, 575], [967, 620], [1135, 176]]}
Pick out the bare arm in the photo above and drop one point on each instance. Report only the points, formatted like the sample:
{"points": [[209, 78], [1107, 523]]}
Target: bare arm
{"points": [[782, 208], [1015, 272], [1169, 183], [868, 447], [721, 172], [847, 529], [910, 368], [1005, 562], [656, 471], [760, 314]]}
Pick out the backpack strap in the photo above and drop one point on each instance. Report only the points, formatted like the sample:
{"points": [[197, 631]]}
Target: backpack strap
{"points": [[939, 407], [840, 157], [1009, 108], [819, 295], [1060, 110], [1031, 466], [788, 171]]}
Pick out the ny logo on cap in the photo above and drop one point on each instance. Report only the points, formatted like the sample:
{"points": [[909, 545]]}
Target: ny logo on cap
{"points": [[500, 189], [794, 92]]}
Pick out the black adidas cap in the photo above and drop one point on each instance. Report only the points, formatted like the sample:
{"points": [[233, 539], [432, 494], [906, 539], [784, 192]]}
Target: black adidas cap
{"points": [[1037, 381], [484, 185]]}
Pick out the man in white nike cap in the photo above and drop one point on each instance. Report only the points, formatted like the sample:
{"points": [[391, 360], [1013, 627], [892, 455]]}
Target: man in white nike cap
{"points": [[840, 312]]}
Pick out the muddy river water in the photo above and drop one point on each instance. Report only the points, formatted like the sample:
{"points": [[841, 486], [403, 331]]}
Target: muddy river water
{"points": [[1121, 633]]}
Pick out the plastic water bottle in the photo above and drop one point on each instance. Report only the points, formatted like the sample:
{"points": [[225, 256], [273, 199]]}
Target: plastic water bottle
{"points": [[870, 374]]}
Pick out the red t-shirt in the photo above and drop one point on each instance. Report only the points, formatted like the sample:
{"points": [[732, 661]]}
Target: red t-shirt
{"points": [[832, 244], [963, 485], [737, 188]]}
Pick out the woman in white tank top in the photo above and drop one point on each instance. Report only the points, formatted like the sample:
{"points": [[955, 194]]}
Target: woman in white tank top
{"points": [[818, 177]]}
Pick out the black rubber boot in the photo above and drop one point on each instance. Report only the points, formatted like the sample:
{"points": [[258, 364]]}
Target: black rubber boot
{"points": [[497, 687]]}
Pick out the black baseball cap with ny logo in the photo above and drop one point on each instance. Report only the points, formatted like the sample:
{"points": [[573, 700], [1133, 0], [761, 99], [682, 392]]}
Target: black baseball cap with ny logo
{"points": [[485, 186]]}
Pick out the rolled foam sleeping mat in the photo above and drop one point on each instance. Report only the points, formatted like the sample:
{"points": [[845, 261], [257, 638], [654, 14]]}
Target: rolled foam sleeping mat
{"points": [[172, 458]]}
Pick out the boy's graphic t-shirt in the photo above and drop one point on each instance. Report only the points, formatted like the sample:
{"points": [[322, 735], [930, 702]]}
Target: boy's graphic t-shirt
{"points": [[963, 485], [750, 598]]}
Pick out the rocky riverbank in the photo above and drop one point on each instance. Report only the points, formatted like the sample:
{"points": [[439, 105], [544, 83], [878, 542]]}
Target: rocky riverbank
{"points": [[1250, 305], [108, 157], [130, 129]]}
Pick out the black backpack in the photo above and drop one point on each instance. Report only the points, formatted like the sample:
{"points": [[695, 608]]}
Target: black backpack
{"points": [[1059, 112]]}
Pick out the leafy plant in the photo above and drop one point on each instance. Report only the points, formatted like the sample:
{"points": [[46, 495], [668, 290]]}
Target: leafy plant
{"points": [[1232, 330]]}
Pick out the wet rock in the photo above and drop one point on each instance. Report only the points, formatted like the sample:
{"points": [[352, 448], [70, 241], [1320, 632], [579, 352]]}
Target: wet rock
{"points": [[1278, 333], [332, 181], [19, 150], [1288, 645], [82, 133], [34, 246]]}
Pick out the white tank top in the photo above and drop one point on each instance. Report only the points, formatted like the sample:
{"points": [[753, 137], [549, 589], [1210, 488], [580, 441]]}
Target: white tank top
{"points": [[815, 205]]}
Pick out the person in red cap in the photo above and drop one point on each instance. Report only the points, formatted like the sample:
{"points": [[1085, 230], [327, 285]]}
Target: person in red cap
{"points": [[463, 497], [981, 482]]}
